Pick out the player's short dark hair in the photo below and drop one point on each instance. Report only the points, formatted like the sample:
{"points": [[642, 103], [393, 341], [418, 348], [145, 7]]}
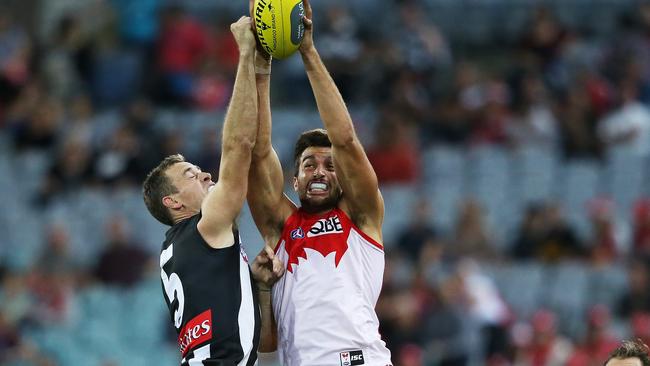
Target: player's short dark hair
{"points": [[157, 185], [631, 349], [317, 137]]}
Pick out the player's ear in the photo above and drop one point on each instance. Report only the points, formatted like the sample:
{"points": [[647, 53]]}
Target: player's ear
{"points": [[295, 184], [170, 202]]}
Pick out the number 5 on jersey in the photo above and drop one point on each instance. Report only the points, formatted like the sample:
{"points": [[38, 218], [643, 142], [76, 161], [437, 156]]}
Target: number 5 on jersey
{"points": [[173, 286]]}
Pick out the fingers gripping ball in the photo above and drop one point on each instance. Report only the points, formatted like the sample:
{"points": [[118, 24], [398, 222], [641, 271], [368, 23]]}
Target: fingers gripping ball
{"points": [[278, 24]]}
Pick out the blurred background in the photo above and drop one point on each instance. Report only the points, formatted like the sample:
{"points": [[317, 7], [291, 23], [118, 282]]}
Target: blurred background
{"points": [[511, 139]]}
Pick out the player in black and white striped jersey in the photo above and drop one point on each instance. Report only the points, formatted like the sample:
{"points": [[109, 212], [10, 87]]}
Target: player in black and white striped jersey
{"points": [[222, 316]]}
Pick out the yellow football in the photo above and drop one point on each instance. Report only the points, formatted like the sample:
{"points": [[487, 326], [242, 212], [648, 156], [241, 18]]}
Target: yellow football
{"points": [[279, 27]]}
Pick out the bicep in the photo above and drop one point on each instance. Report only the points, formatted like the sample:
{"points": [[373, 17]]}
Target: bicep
{"points": [[268, 204], [358, 181], [222, 205]]}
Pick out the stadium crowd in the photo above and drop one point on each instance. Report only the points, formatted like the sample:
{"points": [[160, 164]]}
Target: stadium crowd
{"points": [[94, 93]]}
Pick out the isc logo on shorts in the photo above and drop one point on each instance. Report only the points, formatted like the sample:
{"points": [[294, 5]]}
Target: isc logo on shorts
{"points": [[352, 358]]}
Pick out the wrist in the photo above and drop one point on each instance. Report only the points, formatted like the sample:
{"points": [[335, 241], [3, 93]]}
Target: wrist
{"points": [[262, 65], [262, 71], [308, 52], [246, 53]]}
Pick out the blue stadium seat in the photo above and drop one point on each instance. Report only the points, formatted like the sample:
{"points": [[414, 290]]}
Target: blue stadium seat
{"points": [[570, 305], [489, 181], [578, 184], [444, 170], [398, 203], [520, 284], [624, 180]]}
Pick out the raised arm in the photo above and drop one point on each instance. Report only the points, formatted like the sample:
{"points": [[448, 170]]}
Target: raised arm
{"points": [[222, 205], [356, 176], [269, 206]]}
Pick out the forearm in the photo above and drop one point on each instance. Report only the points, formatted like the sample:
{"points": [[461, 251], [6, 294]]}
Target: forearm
{"points": [[263, 142], [330, 103], [268, 331], [240, 127]]}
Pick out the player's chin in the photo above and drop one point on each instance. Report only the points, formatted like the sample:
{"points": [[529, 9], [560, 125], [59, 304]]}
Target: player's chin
{"points": [[319, 203]]}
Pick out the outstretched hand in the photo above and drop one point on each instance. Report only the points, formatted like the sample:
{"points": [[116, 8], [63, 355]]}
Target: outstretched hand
{"points": [[307, 40], [267, 268], [242, 30]]}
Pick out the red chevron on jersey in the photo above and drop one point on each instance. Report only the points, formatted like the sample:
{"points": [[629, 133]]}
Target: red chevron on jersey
{"points": [[324, 235]]}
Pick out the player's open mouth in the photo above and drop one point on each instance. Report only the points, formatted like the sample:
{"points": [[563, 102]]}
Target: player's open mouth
{"points": [[210, 187], [317, 187]]}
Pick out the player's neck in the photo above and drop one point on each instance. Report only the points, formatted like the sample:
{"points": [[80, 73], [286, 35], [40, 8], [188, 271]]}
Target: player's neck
{"points": [[184, 216], [316, 211]]}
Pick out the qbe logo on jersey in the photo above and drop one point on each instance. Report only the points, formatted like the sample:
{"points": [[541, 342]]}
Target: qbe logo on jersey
{"points": [[352, 358]]}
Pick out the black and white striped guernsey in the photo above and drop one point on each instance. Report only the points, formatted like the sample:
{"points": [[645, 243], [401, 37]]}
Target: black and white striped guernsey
{"points": [[211, 298]]}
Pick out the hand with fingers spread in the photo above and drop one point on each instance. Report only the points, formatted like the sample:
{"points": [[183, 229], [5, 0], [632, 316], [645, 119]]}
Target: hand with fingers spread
{"points": [[307, 40], [267, 269], [242, 30]]}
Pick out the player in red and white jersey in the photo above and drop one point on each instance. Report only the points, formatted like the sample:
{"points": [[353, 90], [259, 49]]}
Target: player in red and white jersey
{"points": [[332, 245]]}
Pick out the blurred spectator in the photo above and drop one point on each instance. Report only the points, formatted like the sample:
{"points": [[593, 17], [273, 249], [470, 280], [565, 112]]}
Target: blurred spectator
{"points": [[140, 119], [139, 25], [214, 72], [122, 262], [640, 324], [487, 307], [341, 48], [15, 350], [628, 126], [418, 233], [410, 96], [67, 64], [56, 257], [561, 240], [71, 169], [636, 299], [17, 307], [546, 346], [115, 71], [471, 236], [395, 155], [138, 22], [54, 279], [120, 162], [452, 122], [422, 45], [543, 39], [79, 120], [494, 117], [182, 45], [578, 126], [641, 228], [398, 327], [446, 328], [531, 233], [534, 122], [546, 235], [15, 58], [40, 128], [209, 154], [598, 343], [606, 236]]}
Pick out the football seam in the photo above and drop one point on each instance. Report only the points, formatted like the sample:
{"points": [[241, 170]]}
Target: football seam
{"points": [[284, 30]]}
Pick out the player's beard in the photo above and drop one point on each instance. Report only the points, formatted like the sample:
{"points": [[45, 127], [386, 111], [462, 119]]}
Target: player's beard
{"points": [[327, 204]]}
